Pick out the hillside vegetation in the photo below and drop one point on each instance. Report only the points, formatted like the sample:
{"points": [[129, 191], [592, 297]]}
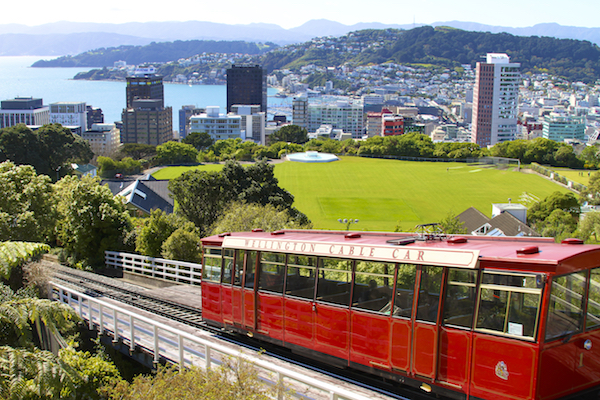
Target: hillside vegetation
{"points": [[575, 60], [154, 52], [444, 47]]}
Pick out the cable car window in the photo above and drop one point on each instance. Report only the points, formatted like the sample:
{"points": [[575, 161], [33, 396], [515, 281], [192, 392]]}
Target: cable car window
{"points": [[272, 267], [239, 267], [211, 268], [372, 290], [333, 285], [429, 293], [565, 313], [459, 305], [250, 269], [227, 266], [509, 304], [301, 275], [593, 308], [405, 288]]}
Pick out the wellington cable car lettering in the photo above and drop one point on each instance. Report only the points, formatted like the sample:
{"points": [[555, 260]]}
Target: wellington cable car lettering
{"points": [[456, 258]]}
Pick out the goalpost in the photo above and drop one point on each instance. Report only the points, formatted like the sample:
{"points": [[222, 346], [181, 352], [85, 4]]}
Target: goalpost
{"points": [[498, 162]]}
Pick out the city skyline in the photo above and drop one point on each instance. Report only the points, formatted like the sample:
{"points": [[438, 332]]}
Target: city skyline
{"points": [[511, 13]]}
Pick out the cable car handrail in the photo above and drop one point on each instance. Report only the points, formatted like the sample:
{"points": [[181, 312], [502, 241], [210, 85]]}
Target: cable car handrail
{"points": [[105, 312], [178, 271]]}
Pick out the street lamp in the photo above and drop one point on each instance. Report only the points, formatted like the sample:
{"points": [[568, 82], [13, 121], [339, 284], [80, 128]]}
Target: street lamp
{"points": [[348, 222], [57, 173]]}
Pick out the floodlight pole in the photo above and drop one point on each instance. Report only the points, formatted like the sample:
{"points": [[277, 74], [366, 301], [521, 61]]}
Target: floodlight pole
{"points": [[348, 222]]}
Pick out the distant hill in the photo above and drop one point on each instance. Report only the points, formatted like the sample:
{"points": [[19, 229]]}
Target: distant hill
{"points": [[153, 52], [136, 33], [575, 60], [445, 47], [22, 44]]}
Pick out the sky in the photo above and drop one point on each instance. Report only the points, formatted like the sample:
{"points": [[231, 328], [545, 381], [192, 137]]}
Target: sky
{"points": [[288, 14]]}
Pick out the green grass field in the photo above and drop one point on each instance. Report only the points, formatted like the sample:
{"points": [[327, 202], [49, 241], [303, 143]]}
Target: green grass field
{"points": [[576, 175], [174, 172], [385, 193]]}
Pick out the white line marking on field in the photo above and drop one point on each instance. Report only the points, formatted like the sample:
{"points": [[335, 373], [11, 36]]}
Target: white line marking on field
{"points": [[476, 170]]}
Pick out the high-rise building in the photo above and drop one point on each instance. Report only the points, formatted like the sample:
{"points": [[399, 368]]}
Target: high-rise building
{"points": [[300, 111], [147, 122], [71, 114], [392, 125], [94, 116], [219, 126], [104, 139], [148, 86], [23, 110], [253, 121], [185, 113], [146, 119], [560, 127], [346, 115], [247, 84], [495, 100]]}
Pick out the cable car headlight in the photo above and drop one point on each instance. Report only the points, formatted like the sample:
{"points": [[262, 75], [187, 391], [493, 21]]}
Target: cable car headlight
{"points": [[587, 344]]}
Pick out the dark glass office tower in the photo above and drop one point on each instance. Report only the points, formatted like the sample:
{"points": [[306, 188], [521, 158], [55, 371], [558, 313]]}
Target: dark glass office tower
{"points": [[247, 85], [144, 87]]}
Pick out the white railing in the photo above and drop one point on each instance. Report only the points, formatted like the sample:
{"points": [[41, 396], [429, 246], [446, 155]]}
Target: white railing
{"points": [[182, 348], [178, 271]]}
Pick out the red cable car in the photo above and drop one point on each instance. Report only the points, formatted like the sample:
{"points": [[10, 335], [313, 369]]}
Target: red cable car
{"points": [[463, 317]]}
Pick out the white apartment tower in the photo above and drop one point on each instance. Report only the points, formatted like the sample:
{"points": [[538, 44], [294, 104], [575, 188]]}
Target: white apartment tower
{"points": [[346, 115], [69, 114], [495, 100], [219, 126], [104, 139], [253, 121]]}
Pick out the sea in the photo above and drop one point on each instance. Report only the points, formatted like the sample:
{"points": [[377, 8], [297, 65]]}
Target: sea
{"points": [[19, 79]]}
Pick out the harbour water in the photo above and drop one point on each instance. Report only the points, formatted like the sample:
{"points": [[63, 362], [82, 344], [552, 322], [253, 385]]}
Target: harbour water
{"points": [[18, 79]]}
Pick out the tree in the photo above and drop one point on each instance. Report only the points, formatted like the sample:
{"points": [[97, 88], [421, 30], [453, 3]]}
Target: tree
{"points": [[556, 201], [22, 146], [175, 153], [137, 151], [559, 225], [27, 209], [451, 224], [48, 149], [202, 195], [256, 184], [289, 133], [110, 167], [156, 229], [234, 380], [182, 245], [240, 217], [200, 140], [590, 226], [592, 193], [590, 156], [91, 220]]}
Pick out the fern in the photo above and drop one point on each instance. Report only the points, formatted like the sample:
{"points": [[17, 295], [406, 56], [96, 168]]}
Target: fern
{"points": [[13, 254]]}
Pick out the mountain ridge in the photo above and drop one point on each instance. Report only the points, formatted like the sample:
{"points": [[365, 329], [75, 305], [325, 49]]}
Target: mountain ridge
{"points": [[137, 33]]}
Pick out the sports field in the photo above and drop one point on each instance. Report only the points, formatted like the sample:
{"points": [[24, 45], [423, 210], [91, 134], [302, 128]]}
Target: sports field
{"points": [[385, 193]]}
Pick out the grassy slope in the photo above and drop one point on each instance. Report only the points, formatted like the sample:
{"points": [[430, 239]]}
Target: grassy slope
{"points": [[385, 193]]}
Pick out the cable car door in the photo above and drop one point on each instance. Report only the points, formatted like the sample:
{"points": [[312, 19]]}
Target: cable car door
{"points": [[249, 293], [236, 288], [425, 327]]}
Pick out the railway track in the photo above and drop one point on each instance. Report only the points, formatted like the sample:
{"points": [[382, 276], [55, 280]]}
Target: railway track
{"points": [[98, 286]]}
